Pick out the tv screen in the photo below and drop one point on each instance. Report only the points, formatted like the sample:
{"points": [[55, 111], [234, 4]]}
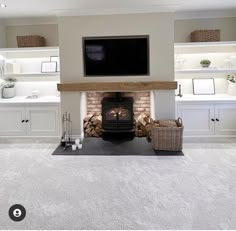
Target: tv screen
{"points": [[116, 56]]}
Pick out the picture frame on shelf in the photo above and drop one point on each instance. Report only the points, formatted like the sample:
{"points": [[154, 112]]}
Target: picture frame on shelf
{"points": [[203, 86], [49, 67], [56, 59], [2, 67]]}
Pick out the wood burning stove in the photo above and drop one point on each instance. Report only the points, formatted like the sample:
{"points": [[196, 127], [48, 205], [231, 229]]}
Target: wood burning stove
{"points": [[117, 114]]}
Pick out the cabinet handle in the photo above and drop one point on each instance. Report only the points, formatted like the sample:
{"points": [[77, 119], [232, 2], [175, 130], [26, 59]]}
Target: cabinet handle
{"points": [[22, 121], [212, 120], [27, 121], [217, 120]]}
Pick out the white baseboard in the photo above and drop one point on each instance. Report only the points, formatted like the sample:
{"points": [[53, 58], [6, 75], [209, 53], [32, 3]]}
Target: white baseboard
{"points": [[209, 139], [25, 139], [74, 137]]}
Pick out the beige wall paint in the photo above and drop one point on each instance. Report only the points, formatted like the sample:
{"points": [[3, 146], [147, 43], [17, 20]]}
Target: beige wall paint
{"points": [[49, 31], [2, 35], [72, 29], [183, 28], [159, 27]]}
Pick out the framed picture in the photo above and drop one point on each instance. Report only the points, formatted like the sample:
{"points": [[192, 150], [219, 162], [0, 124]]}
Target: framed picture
{"points": [[56, 59], [2, 65], [203, 86], [48, 67]]}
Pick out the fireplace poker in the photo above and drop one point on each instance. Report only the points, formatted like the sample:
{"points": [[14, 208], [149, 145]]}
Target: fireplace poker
{"points": [[63, 141], [69, 128], [66, 137], [63, 129]]}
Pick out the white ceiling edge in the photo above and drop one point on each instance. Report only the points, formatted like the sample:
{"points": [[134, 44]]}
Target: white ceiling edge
{"points": [[205, 14], [115, 11], [30, 21], [54, 20]]}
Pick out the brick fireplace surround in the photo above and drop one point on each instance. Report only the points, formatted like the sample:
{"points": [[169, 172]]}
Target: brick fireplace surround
{"points": [[92, 122], [148, 96], [141, 101]]}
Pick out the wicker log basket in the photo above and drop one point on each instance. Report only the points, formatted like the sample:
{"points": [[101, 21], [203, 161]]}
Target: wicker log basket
{"points": [[167, 135], [30, 41], [205, 36]]}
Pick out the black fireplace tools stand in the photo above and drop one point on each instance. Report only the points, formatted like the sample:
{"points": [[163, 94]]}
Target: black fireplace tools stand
{"points": [[66, 139]]}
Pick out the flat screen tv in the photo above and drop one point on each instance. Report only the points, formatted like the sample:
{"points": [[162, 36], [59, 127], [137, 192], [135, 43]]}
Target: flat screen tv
{"points": [[116, 56]]}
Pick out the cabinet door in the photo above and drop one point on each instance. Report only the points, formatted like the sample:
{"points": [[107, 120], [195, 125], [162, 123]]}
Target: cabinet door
{"points": [[43, 120], [12, 121], [225, 115], [197, 119]]}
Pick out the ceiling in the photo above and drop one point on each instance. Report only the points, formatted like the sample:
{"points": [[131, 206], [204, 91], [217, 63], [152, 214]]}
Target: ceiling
{"points": [[53, 8]]}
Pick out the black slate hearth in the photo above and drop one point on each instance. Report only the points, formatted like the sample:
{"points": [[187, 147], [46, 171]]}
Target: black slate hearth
{"points": [[99, 146]]}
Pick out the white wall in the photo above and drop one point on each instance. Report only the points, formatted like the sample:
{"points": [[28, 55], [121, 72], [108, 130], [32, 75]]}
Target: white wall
{"points": [[2, 34], [159, 27], [45, 88], [183, 28], [49, 31]]}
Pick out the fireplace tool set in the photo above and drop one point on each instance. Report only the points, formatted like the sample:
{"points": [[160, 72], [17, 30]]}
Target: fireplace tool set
{"points": [[66, 139]]}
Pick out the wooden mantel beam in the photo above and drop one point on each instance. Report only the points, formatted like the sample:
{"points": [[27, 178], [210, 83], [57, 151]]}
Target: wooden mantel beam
{"points": [[118, 86]]}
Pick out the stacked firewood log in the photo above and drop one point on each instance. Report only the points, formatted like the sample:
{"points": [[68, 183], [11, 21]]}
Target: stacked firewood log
{"points": [[142, 125], [93, 125]]}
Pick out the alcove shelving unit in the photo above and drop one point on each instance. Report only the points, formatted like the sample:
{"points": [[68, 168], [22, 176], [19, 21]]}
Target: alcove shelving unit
{"points": [[206, 115], [26, 62], [221, 54]]}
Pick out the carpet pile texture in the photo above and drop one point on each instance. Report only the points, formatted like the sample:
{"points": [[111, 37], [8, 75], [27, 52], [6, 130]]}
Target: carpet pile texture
{"points": [[194, 191]]}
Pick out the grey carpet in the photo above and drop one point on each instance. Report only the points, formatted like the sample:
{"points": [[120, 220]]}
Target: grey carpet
{"points": [[98, 146], [194, 191]]}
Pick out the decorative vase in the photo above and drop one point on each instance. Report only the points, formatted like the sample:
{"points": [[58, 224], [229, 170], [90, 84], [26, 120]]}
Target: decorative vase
{"points": [[232, 88], [205, 64], [8, 92]]}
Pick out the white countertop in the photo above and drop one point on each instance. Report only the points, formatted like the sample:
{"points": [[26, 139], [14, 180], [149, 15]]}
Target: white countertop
{"points": [[23, 99], [206, 98]]}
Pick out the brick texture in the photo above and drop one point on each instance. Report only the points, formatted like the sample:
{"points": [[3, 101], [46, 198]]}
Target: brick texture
{"points": [[141, 101]]}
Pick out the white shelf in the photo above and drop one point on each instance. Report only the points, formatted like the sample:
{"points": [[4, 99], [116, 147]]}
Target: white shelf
{"points": [[206, 98], [205, 70], [30, 75], [205, 47], [28, 49], [29, 52], [206, 44], [28, 61]]}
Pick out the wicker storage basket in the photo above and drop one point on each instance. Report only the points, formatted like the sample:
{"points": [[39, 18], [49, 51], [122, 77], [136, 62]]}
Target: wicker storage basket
{"points": [[167, 138], [205, 36], [30, 41]]}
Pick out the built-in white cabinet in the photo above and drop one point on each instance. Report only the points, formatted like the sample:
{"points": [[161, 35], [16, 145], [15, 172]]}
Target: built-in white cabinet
{"points": [[197, 119], [12, 121], [202, 115], [225, 119], [29, 120], [27, 62], [208, 119]]}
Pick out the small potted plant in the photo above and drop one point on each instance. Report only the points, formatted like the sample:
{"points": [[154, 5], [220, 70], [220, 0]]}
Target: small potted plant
{"points": [[232, 84], [231, 78], [205, 63], [8, 89]]}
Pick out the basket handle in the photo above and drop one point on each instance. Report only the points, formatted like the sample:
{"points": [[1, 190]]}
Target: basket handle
{"points": [[179, 121], [149, 135]]}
